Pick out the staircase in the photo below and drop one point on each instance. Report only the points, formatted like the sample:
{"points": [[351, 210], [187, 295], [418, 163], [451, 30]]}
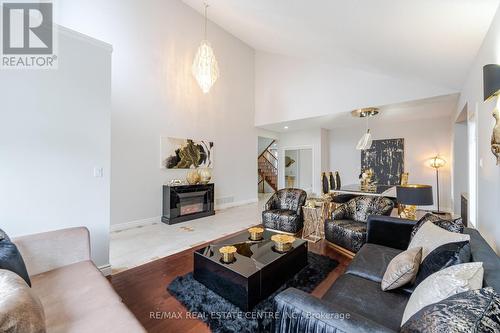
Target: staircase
{"points": [[267, 169]]}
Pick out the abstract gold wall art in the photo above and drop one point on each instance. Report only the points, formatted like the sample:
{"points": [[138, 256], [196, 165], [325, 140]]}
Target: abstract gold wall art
{"points": [[186, 153]]}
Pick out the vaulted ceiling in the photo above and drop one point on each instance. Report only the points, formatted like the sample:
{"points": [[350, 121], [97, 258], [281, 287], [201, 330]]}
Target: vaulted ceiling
{"points": [[433, 40]]}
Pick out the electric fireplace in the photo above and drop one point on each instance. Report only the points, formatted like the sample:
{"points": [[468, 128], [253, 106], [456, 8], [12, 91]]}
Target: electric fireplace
{"points": [[187, 202]]}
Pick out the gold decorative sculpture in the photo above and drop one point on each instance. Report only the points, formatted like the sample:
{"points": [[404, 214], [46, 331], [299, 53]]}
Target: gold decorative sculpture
{"points": [[256, 233], [408, 212], [491, 91], [404, 178], [283, 243], [495, 137], [367, 180], [227, 253]]}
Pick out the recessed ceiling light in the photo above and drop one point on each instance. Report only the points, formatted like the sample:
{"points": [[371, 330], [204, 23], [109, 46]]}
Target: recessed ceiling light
{"points": [[286, 127]]}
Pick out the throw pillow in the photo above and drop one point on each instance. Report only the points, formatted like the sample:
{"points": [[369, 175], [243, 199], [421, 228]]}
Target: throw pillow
{"points": [[430, 237], [11, 259], [454, 225], [340, 212], [444, 256], [471, 311], [443, 284], [3, 235], [402, 269], [20, 309]]}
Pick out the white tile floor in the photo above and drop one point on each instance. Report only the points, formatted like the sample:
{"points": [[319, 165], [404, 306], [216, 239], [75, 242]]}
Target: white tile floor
{"points": [[136, 246]]}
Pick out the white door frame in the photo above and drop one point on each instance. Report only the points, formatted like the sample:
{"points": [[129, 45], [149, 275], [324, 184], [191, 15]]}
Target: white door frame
{"points": [[281, 164], [473, 165]]}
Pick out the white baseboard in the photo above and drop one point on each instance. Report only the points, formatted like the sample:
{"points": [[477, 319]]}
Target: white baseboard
{"points": [[236, 204], [157, 219], [105, 269], [134, 224]]}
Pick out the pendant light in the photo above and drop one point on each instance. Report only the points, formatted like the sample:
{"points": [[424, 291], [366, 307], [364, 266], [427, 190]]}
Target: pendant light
{"points": [[205, 68], [366, 140]]}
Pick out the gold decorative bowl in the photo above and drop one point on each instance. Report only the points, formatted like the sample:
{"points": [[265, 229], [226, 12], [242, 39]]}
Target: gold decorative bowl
{"points": [[256, 233], [227, 253], [283, 243]]}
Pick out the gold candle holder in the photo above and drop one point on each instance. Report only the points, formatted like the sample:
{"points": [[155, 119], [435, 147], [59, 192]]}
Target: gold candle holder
{"points": [[283, 243], [227, 253], [256, 233]]}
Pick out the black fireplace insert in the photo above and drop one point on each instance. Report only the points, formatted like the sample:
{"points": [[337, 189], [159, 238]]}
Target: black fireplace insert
{"points": [[187, 202]]}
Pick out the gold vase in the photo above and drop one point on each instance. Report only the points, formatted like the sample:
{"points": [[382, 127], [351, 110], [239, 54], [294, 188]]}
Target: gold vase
{"points": [[193, 177], [205, 176]]}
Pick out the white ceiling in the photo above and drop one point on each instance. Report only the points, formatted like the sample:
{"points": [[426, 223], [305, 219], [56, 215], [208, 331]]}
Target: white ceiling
{"points": [[429, 108], [434, 40]]}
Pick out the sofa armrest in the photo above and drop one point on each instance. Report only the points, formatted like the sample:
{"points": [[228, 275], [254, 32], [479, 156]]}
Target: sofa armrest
{"points": [[50, 250], [297, 311], [389, 231], [271, 203]]}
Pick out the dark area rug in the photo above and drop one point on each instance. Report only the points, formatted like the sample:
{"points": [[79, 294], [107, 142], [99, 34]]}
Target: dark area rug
{"points": [[222, 316]]}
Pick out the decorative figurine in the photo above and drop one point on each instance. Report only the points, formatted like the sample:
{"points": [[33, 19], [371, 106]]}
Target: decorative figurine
{"points": [[495, 137], [366, 180]]}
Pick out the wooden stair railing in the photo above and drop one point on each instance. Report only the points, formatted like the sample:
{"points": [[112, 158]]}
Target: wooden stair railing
{"points": [[267, 169]]}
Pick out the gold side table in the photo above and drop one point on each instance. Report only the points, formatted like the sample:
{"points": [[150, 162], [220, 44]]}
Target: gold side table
{"points": [[314, 221]]}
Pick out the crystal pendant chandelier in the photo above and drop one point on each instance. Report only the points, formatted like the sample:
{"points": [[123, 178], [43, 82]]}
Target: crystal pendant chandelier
{"points": [[366, 140], [205, 68]]}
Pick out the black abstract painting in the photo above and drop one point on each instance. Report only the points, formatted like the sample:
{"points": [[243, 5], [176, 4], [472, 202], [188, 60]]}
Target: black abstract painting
{"points": [[386, 159]]}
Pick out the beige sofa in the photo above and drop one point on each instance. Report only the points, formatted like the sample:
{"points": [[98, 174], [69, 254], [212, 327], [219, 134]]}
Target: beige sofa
{"points": [[75, 296]]}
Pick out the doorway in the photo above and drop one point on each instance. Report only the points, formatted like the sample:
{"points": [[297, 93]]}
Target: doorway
{"points": [[460, 161], [298, 169], [267, 166]]}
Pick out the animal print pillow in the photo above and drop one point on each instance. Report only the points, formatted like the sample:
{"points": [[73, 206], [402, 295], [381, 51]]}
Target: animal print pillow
{"points": [[454, 225], [470, 311]]}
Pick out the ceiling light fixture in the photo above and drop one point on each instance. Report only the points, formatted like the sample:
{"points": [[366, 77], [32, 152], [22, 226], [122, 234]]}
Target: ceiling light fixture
{"points": [[366, 140], [286, 127], [205, 68]]}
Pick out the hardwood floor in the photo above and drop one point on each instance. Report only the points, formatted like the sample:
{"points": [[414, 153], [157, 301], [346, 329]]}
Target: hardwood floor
{"points": [[143, 289]]}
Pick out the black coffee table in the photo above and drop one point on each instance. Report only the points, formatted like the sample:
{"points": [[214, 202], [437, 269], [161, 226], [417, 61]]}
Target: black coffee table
{"points": [[258, 269]]}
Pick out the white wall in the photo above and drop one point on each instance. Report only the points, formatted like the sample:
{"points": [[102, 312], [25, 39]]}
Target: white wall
{"points": [[460, 164], [305, 169], [262, 144], [423, 139], [55, 129], [488, 182], [154, 94], [288, 88]]}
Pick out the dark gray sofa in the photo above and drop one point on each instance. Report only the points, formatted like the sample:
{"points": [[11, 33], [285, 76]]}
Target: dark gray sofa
{"points": [[357, 293]]}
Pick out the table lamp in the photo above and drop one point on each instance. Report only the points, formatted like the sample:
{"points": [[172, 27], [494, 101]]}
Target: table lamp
{"points": [[437, 162], [410, 196]]}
